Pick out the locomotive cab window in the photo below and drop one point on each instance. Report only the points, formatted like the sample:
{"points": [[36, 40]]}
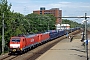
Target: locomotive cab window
{"points": [[14, 40]]}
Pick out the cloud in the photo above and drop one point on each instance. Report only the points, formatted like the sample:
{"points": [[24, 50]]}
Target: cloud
{"points": [[19, 1], [85, 6], [66, 16], [71, 5], [68, 8], [64, 2]]}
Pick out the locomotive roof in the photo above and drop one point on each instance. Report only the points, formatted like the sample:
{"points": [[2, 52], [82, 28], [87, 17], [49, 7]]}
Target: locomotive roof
{"points": [[22, 35], [31, 35]]}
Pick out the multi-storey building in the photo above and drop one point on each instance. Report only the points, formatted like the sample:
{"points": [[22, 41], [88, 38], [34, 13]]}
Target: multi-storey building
{"points": [[54, 11]]}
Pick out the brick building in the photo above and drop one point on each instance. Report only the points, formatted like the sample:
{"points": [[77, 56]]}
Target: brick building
{"points": [[54, 11]]}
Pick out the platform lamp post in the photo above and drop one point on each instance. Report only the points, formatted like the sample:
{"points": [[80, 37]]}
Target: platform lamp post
{"points": [[86, 39]]}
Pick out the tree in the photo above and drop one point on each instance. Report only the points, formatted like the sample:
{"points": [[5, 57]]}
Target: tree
{"points": [[4, 9], [40, 23], [71, 23]]}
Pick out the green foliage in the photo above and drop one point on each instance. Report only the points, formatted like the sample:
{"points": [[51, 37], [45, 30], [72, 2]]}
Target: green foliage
{"points": [[40, 22], [71, 23], [4, 9]]}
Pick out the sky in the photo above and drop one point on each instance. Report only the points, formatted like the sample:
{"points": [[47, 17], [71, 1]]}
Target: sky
{"points": [[68, 7]]}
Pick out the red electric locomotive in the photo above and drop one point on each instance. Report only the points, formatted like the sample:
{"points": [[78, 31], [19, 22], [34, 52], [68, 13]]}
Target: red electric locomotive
{"points": [[24, 43], [21, 44], [43, 37]]}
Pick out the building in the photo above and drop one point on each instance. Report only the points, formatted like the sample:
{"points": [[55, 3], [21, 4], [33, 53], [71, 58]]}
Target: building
{"points": [[62, 26], [54, 11]]}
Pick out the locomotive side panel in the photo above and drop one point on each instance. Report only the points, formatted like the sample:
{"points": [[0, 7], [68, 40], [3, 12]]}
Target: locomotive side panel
{"points": [[36, 39], [45, 37]]}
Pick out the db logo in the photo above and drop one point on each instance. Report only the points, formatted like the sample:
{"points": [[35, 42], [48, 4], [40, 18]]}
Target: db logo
{"points": [[32, 40]]}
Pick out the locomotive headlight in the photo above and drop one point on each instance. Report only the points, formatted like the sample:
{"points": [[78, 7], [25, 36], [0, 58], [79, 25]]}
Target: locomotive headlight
{"points": [[20, 48]]}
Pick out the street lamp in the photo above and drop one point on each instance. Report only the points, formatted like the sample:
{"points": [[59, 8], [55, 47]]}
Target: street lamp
{"points": [[86, 42]]}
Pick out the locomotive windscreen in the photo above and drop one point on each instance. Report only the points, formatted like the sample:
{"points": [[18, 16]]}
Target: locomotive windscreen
{"points": [[15, 40]]}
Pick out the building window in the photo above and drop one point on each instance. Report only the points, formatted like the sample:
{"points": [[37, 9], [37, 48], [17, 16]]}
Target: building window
{"points": [[42, 8], [40, 13]]}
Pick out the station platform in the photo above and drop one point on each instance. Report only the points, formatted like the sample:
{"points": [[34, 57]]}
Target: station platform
{"points": [[66, 50]]}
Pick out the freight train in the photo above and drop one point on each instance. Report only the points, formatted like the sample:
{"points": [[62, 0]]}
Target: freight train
{"points": [[23, 43]]}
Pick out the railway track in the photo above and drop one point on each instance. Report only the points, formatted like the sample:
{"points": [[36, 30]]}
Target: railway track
{"points": [[8, 57], [36, 52]]}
